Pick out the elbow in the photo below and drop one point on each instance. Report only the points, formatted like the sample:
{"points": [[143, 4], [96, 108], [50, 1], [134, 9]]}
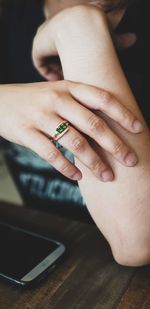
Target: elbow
{"points": [[132, 259], [130, 242], [132, 254]]}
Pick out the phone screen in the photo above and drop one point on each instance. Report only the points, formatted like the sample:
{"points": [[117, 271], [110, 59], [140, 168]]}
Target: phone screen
{"points": [[21, 251]]}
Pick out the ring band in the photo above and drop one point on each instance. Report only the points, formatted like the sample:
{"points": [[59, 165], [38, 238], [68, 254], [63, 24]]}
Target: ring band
{"points": [[61, 129]]}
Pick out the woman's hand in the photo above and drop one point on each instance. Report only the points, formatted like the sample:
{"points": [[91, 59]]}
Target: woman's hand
{"points": [[31, 113]]}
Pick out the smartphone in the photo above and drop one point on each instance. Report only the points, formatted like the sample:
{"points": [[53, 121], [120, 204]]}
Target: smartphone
{"points": [[25, 257]]}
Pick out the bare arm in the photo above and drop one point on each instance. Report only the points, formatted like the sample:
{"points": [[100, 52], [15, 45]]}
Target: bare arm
{"points": [[120, 209]]}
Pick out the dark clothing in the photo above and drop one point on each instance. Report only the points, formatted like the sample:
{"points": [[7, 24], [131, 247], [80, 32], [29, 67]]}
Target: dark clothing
{"points": [[38, 182], [136, 60]]}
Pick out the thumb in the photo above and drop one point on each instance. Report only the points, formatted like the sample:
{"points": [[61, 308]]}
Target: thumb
{"points": [[125, 40]]}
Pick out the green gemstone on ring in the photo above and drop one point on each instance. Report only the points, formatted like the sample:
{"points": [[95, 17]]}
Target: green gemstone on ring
{"points": [[62, 127]]}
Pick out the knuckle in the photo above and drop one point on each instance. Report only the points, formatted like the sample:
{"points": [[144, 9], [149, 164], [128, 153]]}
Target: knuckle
{"points": [[39, 117], [127, 117], [53, 96], [50, 95], [52, 156], [43, 96], [78, 143], [64, 83], [118, 148], [59, 100], [95, 124], [96, 165], [65, 168], [57, 97], [105, 97]]}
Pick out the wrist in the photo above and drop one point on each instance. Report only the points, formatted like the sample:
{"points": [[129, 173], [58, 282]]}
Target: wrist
{"points": [[80, 38]]}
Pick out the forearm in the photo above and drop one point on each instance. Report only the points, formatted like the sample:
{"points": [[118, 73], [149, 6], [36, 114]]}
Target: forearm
{"points": [[121, 208]]}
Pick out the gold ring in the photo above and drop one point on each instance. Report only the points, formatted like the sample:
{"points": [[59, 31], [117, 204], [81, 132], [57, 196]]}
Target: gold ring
{"points": [[61, 129]]}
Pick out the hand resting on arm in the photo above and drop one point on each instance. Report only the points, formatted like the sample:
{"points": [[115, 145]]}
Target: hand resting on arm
{"points": [[30, 113]]}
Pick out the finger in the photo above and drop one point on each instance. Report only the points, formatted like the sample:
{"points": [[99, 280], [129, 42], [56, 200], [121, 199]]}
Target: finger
{"points": [[98, 99], [87, 122], [78, 145], [42, 49], [57, 69], [49, 71], [53, 71], [124, 40], [41, 67], [46, 150], [53, 76]]}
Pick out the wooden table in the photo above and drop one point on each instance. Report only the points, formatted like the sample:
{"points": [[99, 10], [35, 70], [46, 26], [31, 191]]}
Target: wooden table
{"points": [[88, 279]]}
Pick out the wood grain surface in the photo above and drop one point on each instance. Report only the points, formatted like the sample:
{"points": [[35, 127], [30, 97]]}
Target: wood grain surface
{"points": [[88, 278]]}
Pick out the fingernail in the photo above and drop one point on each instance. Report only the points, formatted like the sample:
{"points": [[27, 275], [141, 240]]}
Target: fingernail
{"points": [[137, 126], [77, 176], [107, 176], [131, 159]]}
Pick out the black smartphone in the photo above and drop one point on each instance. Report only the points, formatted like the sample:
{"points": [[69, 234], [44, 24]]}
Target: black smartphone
{"points": [[25, 257]]}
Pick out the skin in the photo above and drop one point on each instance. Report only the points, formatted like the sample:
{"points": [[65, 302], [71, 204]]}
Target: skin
{"points": [[121, 41], [125, 40], [42, 109], [121, 212], [37, 109]]}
